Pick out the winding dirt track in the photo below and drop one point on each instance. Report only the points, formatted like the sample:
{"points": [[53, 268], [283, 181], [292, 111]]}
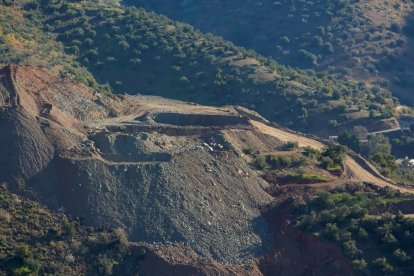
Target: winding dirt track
{"points": [[355, 172]]}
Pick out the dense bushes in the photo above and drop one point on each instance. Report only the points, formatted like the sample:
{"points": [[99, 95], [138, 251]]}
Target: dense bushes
{"points": [[279, 161], [380, 243], [350, 140], [37, 241], [299, 33], [333, 157]]}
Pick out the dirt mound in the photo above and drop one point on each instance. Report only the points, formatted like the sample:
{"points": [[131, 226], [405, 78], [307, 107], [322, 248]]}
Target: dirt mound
{"points": [[25, 149], [170, 176]]}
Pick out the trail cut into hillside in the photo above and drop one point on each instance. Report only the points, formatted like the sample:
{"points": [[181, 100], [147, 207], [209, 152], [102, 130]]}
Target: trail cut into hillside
{"points": [[356, 167]]}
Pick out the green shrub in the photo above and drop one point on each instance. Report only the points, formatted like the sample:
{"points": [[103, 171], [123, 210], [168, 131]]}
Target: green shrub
{"points": [[291, 145], [333, 157], [68, 228], [331, 231], [249, 151], [24, 270], [362, 234], [350, 140], [383, 265], [279, 161], [401, 256], [359, 264], [351, 249], [260, 162], [106, 265]]}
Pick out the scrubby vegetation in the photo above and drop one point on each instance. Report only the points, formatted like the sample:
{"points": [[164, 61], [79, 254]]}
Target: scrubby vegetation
{"points": [[136, 51], [23, 42], [332, 158], [402, 145], [351, 140], [37, 241], [292, 164], [363, 222], [368, 40]]}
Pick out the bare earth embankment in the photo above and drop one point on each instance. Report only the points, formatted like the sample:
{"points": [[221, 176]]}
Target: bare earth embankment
{"points": [[168, 172]]}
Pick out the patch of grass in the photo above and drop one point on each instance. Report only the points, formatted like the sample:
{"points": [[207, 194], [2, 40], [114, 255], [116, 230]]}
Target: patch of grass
{"points": [[311, 177]]}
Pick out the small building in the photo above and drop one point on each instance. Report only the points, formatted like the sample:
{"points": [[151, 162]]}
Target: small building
{"points": [[410, 161]]}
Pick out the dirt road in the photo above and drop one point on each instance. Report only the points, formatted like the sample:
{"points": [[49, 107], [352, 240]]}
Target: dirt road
{"points": [[354, 170], [285, 136]]}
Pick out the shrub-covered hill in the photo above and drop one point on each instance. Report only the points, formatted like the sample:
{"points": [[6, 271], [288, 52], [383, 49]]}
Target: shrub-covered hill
{"points": [[367, 223], [37, 241], [139, 52], [361, 38], [23, 42]]}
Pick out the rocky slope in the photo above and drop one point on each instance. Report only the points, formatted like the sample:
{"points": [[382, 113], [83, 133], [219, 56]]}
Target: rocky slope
{"points": [[167, 172], [35, 240], [163, 170]]}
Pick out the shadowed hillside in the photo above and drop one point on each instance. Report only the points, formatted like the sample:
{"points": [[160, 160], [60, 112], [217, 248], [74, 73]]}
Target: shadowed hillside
{"points": [[367, 40]]}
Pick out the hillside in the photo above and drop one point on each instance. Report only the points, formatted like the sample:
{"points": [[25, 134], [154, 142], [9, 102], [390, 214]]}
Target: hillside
{"points": [[366, 223], [22, 42], [367, 40], [163, 170], [36, 240], [132, 144], [139, 52], [166, 171]]}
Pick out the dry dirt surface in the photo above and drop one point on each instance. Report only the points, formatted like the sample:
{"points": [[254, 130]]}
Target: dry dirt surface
{"points": [[167, 172], [357, 169]]}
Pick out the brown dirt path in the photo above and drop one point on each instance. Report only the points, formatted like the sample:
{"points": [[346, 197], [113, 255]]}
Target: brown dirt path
{"points": [[355, 171], [287, 136]]}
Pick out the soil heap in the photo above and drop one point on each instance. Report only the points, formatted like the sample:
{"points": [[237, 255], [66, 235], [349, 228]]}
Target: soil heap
{"points": [[166, 171]]}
